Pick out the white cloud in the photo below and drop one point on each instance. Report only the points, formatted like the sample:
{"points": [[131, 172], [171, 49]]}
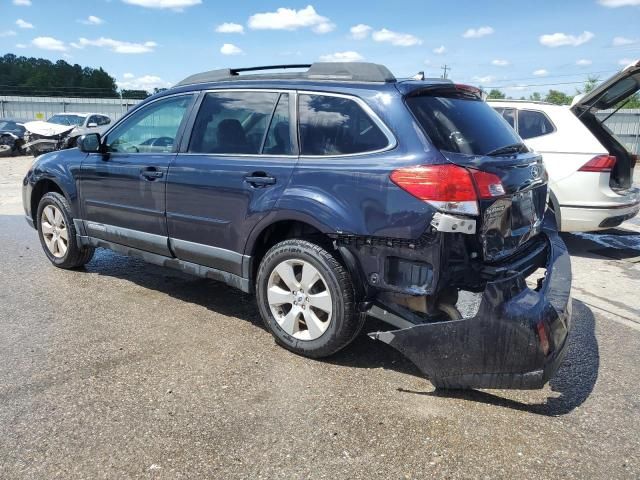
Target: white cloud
{"points": [[396, 38], [621, 41], [562, 39], [583, 62], [146, 82], [21, 45], [49, 43], [178, 5], [485, 79], [439, 50], [290, 19], [92, 20], [22, 24], [8, 33], [117, 46], [228, 27], [541, 72], [500, 62], [625, 61], [230, 49], [22, 3], [619, 3], [360, 31], [478, 32], [348, 56]]}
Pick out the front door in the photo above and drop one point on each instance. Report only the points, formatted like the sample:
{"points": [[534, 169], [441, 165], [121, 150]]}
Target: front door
{"points": [[123, 190], [238, 162]]}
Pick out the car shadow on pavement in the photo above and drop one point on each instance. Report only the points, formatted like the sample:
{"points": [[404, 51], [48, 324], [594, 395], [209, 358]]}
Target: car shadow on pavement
{"points": [[574, 380]]}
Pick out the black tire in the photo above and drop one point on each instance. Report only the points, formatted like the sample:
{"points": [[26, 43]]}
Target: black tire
{"points": [[345, 323], [74, 256]]}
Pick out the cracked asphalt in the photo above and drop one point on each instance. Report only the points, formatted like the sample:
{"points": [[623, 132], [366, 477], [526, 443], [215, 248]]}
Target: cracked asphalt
{"points": [[127, 370]]}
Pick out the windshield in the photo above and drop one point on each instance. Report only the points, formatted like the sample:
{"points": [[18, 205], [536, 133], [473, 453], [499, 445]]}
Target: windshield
{"points": [[462, 125], [4, 125], [67, 120]]}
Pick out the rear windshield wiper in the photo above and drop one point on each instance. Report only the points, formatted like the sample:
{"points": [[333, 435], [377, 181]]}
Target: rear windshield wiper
{"points": [[513, 148]]}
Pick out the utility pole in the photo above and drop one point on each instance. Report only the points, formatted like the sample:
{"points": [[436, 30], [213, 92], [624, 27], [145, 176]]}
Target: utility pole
{"points": [[445, 69]]}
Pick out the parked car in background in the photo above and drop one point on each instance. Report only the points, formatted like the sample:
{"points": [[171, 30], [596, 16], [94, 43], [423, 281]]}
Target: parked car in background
{"points": [[62, 131], [332, 194], [590, 170], [11, 137]]}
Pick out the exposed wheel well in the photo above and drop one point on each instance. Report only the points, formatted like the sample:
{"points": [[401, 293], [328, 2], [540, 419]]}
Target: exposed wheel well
{"points": [[278, 232], [39, 190]]}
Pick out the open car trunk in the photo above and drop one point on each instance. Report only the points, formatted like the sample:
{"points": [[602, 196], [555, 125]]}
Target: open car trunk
{"points": [[611, 94]]}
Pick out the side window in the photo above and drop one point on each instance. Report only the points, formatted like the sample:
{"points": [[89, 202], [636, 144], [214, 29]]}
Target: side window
{"points": [[93, 119], [152, 129], [533, 124], [232, 122], [509, 114], [336, 126], [102, 120], [278, 141]]}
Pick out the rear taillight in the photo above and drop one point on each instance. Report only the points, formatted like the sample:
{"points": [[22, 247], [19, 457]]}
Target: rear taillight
{"points": [[449, 188], [601, 163]]}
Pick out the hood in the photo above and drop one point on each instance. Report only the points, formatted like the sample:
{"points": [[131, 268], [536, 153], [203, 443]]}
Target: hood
{"points": [[47, 129]]}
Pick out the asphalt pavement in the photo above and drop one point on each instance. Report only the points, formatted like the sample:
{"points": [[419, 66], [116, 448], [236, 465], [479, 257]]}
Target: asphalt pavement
{"points": [[127, 370]]}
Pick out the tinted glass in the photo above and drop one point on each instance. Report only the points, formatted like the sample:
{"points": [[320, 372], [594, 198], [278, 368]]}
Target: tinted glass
{"points": [[93, 119], [533, 124], [152, 129], [509, 114], [232, 122], [461, 125], [103, 120], [335, 126], [278, 141]]}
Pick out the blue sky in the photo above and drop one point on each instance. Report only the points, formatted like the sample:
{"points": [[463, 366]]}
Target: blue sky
{"points": [[533, 46]]}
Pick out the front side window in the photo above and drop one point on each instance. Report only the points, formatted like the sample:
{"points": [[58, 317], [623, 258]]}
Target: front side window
{"points": [[152, 129], [336, 126], [93, 119], [533, 124], [232, 122], [103, 120], [456, 123]]}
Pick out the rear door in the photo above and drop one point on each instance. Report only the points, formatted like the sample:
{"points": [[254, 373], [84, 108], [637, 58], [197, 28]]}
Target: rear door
{"points": [[229, 174], [123, 190], [610, 96]]}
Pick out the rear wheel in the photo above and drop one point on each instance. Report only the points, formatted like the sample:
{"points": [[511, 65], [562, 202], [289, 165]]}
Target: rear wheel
{"points": [[306, 299], [58, 234]]}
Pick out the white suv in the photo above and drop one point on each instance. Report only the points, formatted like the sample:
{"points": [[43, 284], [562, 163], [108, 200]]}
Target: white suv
{"points": [[590, 171]]}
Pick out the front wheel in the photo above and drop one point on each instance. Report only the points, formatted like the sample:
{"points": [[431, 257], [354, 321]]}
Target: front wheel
{"points": [[58, 234], [306, 299]]}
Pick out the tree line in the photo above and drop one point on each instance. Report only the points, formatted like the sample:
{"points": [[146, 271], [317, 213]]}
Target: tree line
{"points": [[40, 77], [560, 98]]}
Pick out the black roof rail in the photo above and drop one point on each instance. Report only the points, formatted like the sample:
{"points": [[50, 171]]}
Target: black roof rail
{"points": [[341, 71]]}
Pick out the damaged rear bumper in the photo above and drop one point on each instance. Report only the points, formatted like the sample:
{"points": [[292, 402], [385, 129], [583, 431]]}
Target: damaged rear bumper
{"points": [[517, 339]]}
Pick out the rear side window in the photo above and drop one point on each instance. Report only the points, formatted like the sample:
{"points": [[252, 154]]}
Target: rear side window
{"points": [[336, 126], [461, 125], [278, 141], [232, 122], [509, 114], [533, 124]]}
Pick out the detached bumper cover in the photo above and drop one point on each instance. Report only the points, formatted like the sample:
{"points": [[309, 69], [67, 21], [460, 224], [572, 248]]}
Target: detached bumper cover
{"points": [[516, 340]]}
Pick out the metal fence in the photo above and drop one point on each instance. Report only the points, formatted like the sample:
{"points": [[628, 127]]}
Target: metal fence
{"points": [[626, 125], [40, 108]]}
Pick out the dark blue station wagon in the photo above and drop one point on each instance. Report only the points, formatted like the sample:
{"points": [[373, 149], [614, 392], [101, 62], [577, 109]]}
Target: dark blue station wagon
{"points": [[333, 193]]}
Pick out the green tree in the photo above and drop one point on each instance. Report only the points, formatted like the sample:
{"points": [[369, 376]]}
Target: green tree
{"points": [[496, 94], [558, 97], [535, 96]]}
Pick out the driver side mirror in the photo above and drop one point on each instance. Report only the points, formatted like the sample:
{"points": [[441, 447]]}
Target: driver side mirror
{"points": [[91, 143], [92, 125]]}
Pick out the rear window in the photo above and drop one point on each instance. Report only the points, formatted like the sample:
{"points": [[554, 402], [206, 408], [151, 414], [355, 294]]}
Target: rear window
{"points": [[461, 125]]}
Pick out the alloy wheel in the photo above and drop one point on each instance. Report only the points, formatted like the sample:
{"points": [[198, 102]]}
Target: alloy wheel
{"points": [[54, 231]]}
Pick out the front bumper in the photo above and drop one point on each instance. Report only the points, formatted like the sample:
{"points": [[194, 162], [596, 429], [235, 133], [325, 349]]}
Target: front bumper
{"points": [[517, 339]]}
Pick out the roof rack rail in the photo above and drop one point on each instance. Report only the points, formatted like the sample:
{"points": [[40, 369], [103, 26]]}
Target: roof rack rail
{"points": [[341, 71]]}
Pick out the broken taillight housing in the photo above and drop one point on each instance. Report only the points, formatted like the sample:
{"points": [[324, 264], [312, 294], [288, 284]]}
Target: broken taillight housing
{"points": [[449, 188], [601, 163]]}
